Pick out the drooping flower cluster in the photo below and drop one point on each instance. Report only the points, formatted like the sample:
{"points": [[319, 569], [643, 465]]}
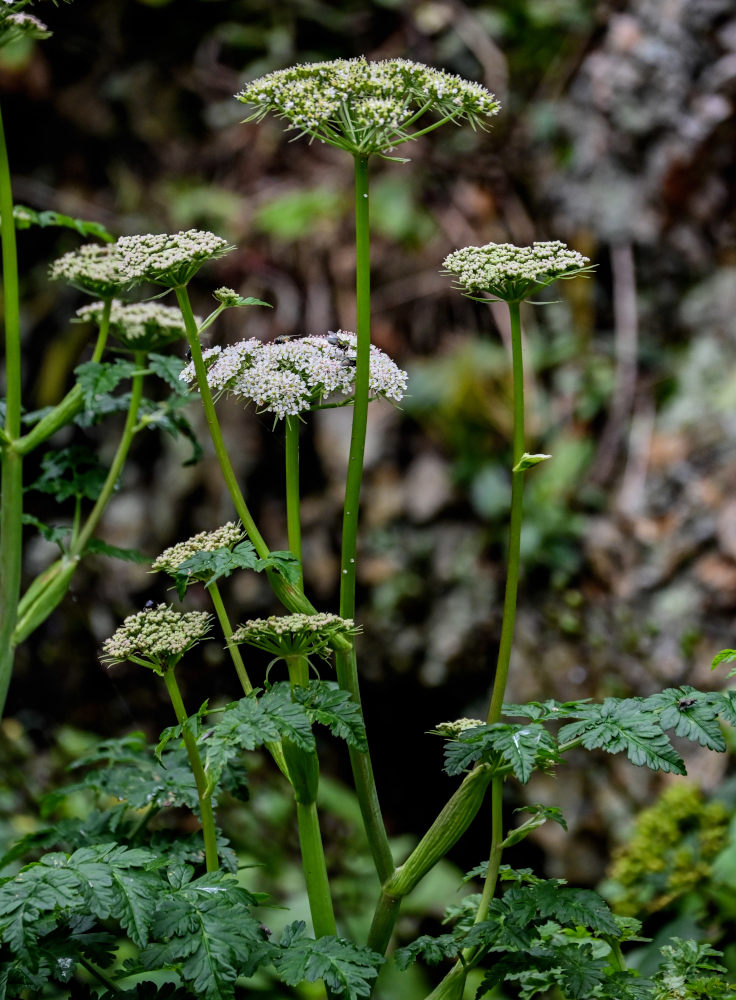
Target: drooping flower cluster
{"points": [[156, 637], [366, 107], [294, 376], [294, 635], [168, 259], [514, 273], [139, 326], [205, 541], [93, 268]]}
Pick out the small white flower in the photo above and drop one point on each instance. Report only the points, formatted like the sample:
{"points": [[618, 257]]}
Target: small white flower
{"points": [[139, 325], [158, 636], [165, 259], [223, 537], [93, 268], [514, 273]]}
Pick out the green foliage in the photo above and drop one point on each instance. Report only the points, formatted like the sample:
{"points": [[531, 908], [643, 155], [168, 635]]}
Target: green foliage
{"points": [[26, 217], [346, 968], [73, 472], [97, 380], [214, 564], [515, 747]]}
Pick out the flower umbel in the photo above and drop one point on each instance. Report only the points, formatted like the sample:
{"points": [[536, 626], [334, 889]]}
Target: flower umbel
{"points": [[514, 273], [170, 260], [292, 377], [294, 635], [139, 326], [93, 268], [205, 541], [367, 107], [156, 637]]}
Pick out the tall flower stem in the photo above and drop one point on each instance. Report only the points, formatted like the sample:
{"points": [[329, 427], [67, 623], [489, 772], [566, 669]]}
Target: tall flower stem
{"points": [[293, 516], [11, 465], [304, 770], [346, 666], [204, 792]]}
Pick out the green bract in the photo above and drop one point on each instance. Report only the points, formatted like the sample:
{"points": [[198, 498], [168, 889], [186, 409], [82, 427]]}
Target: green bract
{"points": [[294, 635], [367, 107], [156, 637], [170, 260], [514, 273], [140, 326]]}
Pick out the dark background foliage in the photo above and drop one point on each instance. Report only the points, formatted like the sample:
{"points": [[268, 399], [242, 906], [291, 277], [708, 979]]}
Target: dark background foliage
{"points": [[616, 135]]}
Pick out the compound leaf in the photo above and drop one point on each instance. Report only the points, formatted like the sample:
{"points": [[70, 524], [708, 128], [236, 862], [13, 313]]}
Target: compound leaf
{"points": [[330, 706], [346, 968]]}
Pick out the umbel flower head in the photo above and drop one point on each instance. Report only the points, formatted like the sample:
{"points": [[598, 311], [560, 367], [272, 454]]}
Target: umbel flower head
{"points": [[296, 375], [170, 260], [367, 107], [92, 268], [156, 637], [294, 635], [15, 23], [512, 273], [223, 537], [139, 326]]}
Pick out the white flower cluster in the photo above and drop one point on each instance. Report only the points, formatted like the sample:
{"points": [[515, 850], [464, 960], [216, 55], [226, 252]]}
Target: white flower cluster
{"points": [[93, 268], [166, 259], [365, 106], [294, 635], [223, 537], [14, 25], [513, 273], [227, 296], [157, 634], [139, 325], [451, 730], [295, 376]]}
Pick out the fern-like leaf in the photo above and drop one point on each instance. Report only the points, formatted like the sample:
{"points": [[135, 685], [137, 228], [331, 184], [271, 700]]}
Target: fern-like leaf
{"points": [[346, 968]]}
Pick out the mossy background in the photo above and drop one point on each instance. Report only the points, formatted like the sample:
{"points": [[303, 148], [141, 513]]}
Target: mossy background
{"points": [[617, 135]]}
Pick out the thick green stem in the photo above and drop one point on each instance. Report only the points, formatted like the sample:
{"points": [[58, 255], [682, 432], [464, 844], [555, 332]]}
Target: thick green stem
{"points": [[315, 869], [517, 497], [204, 792], [108, 488], [293, 518], [11, 500]]}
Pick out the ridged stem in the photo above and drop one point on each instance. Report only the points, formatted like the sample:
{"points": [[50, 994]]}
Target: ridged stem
{"points": [[227, 631], [204, 793], [293, 516], [11, 463]]}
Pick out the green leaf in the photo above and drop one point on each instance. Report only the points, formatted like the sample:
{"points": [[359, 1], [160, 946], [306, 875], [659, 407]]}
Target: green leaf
{"points": [[520, 746], [98, 547], [330, 706], [539, 710], [725, 656], [97, 380], [168, 367], [527, 461], [285, 563], [431, 949], [58, 534], [691, 714], [26, 217], [346, 968], [208, 567], [624, 726], [542, 814], [205, 929], [73, 472]]}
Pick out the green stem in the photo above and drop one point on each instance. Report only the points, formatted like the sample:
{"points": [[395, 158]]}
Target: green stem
{"points": [[494, 861], [517, 497], [99, 974], [213, 425], [11, 464], [293, 520], [227, 631], [65, 411], [204, 792], [315, 869], [108, 488]]}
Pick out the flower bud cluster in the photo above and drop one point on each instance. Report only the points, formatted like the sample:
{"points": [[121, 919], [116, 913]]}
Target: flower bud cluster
{"points": [[15, 24], [513, 273], [169, 260], [140, 326], [93, 268], [294, 635], [292, 377], [159, 635], [223, 537], [451, 730], [365, 106]]}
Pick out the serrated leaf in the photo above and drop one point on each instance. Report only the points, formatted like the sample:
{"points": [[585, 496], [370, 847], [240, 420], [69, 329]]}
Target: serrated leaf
{"points": [[346, 968], [691, 714], [527, 461], [285, 563], [98, 547], [518, 746], [624, 726], [168, 367], [73, 472], [97, 379], [210, 566], [725, 656], [56, 533], [26, 217], [431, 949], [327, 704], [207, 932], [540, 710]]}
